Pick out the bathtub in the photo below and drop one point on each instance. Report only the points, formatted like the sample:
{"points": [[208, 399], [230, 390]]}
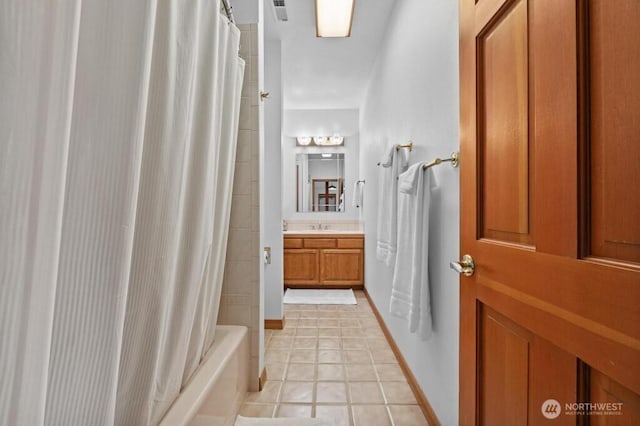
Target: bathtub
{"points": [[218, 387]]}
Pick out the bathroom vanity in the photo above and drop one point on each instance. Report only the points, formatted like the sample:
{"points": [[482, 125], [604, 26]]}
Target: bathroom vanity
{"points": [[323, 259]]}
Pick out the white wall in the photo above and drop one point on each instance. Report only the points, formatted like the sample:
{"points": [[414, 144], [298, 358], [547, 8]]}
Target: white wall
{"points": [[272, 207], [413, 95], [319, 122]]}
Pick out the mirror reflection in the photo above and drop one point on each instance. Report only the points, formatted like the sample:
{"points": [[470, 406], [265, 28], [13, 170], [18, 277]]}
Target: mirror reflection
{"points": [[320, 182]]}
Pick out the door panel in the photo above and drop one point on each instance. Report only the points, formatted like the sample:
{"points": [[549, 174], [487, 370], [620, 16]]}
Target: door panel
{"points": [[503, 104], [550, 91], [301, 266], [615, 129], [342, 266], [605, 390], [504, 361]]}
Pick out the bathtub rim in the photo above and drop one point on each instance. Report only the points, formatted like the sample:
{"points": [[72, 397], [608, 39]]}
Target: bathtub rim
{"points": [[189, 401]]}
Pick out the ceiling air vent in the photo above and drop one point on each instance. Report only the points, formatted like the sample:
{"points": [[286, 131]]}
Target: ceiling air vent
{"points": [[281, 10]]}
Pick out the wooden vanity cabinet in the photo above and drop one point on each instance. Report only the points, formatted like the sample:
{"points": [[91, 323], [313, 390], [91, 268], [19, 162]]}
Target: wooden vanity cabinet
{"points": [[324, 260]]}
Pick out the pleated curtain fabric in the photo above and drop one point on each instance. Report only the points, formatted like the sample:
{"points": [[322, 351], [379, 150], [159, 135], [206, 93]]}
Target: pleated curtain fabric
{"points": [[118, 129]]}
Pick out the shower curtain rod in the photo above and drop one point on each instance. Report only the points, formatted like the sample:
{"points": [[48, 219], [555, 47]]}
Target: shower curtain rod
{"points": [[228, 10]]}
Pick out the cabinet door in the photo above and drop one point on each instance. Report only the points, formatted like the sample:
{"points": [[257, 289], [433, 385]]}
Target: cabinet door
{"points": [[301, 266], [341, 266]]}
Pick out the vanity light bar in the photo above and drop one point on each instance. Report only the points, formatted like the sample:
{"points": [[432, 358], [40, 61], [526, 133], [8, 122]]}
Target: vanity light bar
{"points": [[335, 140]]}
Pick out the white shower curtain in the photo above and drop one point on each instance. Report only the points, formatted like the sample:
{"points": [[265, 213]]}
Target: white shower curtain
{"points": [[118, 128]]}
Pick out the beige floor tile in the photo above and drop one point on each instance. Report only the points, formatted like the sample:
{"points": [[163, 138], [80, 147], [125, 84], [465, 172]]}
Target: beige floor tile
{"points": [[330, 372], [303, 356], [281, 342], [276, 356], [330, 357], [390, 373], [328, 323], [307, 322], [360, 373], [365, 393], [352, 332], [378, 343], [350, 323], [329, 332], [301, 372], [305, 343], [333, 362], [290, 323], [333, 307], [409, 415], [357, 356], [372, 332], [297, 392], [354, 343], [306, 332], [331, 392], [370, 415], [338, 413], [398, 393], [275, 371], [286, 331], [368, 322], [269, 393], [257, 410], [383, 356], [293, 411], [295, 307], [328, 343]]}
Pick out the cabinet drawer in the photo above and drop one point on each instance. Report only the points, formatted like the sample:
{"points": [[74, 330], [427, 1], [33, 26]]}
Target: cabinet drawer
{"points": [[292, 243], [350, 243], [319, 243]]}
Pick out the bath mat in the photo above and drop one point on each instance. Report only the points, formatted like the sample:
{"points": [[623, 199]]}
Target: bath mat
{"points": [[319, 297], [282, 421]]}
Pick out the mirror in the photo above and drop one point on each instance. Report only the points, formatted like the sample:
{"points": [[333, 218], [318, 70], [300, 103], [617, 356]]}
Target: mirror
{"points": [[320, 182]]}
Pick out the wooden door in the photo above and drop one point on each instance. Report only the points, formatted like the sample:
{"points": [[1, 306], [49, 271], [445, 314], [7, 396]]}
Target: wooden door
{"points": [[550, 160]]}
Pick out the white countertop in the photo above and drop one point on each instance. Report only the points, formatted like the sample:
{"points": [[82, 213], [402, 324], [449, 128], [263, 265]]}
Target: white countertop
{"points": [[320, 232]]}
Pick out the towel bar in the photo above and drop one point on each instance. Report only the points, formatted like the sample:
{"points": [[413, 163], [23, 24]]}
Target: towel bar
{"points": [[454, 160]]}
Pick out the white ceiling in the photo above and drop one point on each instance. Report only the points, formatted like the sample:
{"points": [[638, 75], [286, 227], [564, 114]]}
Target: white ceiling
{"points": [[327, 73]]}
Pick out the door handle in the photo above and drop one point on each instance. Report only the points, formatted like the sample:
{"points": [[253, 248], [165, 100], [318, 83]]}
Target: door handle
{"points": [[466, 266]]}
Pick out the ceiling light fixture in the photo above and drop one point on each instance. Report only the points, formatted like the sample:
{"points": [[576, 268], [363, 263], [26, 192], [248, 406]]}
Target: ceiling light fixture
{"points": [[334, 18]]}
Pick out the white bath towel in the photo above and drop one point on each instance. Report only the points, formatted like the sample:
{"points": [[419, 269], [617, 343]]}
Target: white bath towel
{"points": [[410, 295], [358, 194], [392, 164]]}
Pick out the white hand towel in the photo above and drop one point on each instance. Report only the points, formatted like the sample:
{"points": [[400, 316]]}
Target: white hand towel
{"points": [[410, 294], [358, 194], [392, 164]]}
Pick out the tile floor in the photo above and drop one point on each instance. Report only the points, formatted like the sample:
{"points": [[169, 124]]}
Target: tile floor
{"points": [[333, 361]]}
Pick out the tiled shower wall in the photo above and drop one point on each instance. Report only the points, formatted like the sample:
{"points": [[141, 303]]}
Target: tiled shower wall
{"points": [[240, 303]]}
